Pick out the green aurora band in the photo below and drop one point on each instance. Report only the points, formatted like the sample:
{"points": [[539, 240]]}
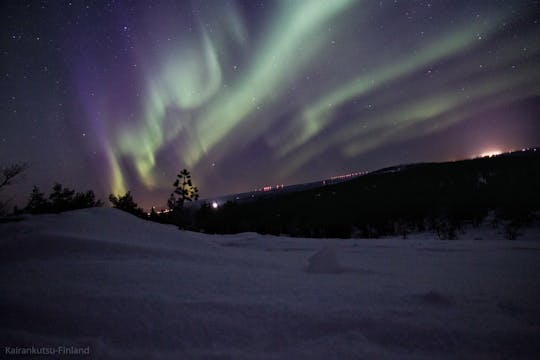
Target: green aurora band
{"points": [[209, 95]]}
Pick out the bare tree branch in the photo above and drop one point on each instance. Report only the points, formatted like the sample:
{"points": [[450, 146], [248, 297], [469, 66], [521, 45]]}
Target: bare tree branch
{"points": [[9, 174]]}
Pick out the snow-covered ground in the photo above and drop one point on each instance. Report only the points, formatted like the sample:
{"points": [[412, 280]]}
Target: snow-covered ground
{"points": [[133, 289]]}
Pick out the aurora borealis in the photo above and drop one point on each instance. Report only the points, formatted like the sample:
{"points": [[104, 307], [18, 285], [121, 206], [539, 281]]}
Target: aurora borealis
{"points": [[120, 95]]}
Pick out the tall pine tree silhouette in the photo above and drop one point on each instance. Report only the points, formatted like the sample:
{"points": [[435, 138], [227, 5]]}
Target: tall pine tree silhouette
{"points": [[183, 191]]}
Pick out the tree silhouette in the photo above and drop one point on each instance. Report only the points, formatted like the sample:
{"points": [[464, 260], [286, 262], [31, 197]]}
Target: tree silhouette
{"points": [[126, 203], [37, 203], [183, 191], [9, 173], [8, 176], [86, 199], [61, 198]]}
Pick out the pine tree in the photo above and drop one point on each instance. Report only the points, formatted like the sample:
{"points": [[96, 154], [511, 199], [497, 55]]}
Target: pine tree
{"points": [[87, 199], [37, 203], [183, 191], [126, 203], [61, 198]]}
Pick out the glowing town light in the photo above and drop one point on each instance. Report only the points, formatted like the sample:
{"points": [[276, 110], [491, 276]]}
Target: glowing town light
{"points": [[214, 205], [491, 153]]}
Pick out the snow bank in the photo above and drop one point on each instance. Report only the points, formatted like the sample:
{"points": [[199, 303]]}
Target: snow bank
{"points": [[132, 289]]}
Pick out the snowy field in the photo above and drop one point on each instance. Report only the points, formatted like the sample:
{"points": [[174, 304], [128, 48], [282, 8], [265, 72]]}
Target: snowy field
{"points": [[132, 289]]}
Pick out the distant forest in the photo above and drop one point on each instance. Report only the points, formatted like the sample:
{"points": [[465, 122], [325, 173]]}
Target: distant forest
{"points": [[438, 197]]}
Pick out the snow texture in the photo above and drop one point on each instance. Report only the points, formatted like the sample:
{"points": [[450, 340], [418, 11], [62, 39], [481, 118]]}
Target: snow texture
{"points": [[132, 289], [323, 261]]}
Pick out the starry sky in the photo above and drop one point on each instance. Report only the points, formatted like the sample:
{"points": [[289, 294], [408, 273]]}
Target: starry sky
{"points": [[121, 95]]}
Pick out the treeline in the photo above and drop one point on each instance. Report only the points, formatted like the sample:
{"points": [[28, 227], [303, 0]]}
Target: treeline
{"points": [[438, 197], [59, 200]]}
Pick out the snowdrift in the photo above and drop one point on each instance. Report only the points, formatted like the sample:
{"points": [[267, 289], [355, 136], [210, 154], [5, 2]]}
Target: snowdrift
{"points": [[131, 289]]}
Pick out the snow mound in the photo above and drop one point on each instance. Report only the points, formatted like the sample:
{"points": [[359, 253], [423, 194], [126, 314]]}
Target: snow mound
{"points": [[132, 289], [324, 261]]}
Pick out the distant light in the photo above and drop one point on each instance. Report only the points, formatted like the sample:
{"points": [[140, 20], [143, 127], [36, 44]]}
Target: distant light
{"points": [[215, 205], [490, 153]]}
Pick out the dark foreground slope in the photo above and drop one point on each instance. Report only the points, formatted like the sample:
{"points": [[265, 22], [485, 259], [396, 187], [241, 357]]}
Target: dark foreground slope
{"points": [[442, 197]]}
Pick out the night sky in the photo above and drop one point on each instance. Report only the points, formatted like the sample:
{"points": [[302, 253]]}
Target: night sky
{"points": [[119, 95]]}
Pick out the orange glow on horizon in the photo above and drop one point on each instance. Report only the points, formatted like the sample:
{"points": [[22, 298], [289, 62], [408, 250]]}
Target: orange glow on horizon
{"points": [[491, 152]]}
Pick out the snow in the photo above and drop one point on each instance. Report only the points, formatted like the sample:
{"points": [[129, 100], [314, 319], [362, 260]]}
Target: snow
{"points": [[132, 289], [323, 261]]}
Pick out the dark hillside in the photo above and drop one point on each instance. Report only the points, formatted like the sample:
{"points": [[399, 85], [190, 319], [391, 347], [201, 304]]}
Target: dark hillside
{"points": [[435, 196]]}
